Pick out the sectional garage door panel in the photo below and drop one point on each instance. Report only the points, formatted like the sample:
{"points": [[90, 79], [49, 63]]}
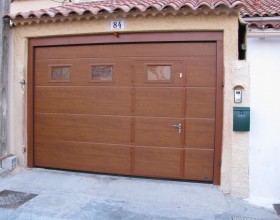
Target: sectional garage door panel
{"points": [[149, 102], [83, 128], [136, 109], [200, 102], [158, 162], [201, 71], [81, 72], [200, 133], [83, 156], [199, 164], [151, 50], [102, 100], [157, 132]]}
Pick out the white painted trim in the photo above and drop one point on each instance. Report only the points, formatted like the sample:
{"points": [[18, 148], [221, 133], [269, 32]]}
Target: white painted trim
{"points": [[275, 18], [263, 34]]}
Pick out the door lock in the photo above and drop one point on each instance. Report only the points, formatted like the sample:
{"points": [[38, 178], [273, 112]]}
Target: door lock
{"points": [[179, 127]]}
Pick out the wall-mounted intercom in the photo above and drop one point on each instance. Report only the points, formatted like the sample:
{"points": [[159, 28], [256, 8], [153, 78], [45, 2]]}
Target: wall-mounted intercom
{"points": [[237, 95]]}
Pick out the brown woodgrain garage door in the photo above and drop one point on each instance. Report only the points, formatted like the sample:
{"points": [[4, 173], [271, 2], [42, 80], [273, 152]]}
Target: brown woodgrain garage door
{"points": [[133, 109]]}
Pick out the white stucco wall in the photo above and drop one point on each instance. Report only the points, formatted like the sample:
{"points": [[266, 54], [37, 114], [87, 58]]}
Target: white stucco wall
{"points": [[263, 56]]}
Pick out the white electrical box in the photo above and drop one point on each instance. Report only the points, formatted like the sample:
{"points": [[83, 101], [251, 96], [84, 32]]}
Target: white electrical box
{"points": [[9, 163], [238, 96]]}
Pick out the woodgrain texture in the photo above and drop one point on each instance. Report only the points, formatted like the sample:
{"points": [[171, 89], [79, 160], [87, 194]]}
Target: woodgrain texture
{"points": [[201, 71], [83, 128], [83, 156], [159, 162], [127, 50], [158, 132], [125, 125], [150, 102], [200, 133], [81, 71], [200, 103], [83, 100], [199, 164]]}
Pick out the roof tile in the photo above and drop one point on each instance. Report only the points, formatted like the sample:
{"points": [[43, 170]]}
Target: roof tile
{"points": [[248, 8], [125, 6], [260, 8]]}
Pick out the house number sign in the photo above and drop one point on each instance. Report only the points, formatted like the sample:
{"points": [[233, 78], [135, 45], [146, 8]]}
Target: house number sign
{"points": [[117, 25]]}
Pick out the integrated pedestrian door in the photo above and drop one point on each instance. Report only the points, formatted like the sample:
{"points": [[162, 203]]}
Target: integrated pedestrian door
{"points": [[141, 109]]}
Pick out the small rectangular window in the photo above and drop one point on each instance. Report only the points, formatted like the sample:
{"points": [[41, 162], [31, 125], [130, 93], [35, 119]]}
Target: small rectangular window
{"points": [[158, 73], [102, 73], [60, 73]]}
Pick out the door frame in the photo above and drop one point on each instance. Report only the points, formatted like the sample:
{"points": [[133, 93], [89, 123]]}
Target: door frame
{"points": [[112, 38]]}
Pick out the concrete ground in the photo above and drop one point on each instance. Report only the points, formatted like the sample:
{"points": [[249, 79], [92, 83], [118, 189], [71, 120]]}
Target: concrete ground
{"points": [[73, 196]]}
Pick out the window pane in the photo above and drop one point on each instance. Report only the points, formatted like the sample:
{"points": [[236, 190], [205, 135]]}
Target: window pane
{"points": [[60, 73], [158, 73], [102, 73]]}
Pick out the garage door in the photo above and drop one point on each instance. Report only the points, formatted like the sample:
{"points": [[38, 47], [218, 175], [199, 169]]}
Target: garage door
{"points": [[135, 109]]}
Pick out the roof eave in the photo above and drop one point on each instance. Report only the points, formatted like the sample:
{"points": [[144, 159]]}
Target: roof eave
{"points": [[122, 15]]}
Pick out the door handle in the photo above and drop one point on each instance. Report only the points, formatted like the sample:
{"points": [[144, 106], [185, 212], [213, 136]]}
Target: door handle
{"points": [[179, 127]]}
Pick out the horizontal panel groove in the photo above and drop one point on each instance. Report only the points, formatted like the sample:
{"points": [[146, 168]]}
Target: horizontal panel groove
{"points": [[154, 175], [159, 86], [199, 118], [159, 147], [83, 86], [65, 114], [198, 149], [119, 58], [110, 84], [83, 142], [140, 58], [118, 116], [140, 116], [123, 116], [172, 87]]}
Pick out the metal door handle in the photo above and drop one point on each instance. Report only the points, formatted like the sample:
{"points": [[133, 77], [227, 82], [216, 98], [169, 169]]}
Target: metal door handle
{"points": [[179, 127]]}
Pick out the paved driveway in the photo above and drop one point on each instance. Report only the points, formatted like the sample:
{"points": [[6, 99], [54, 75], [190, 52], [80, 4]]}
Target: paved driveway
{"points": [[70, 195]]}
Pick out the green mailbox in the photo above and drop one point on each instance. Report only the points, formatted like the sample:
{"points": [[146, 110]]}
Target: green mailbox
{"points": [[241, 119]]}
